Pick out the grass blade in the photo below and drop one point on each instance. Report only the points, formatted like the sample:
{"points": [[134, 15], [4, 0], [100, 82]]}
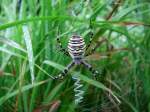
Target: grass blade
{"points": [[28, 43], [24, 88], [11, 43]]}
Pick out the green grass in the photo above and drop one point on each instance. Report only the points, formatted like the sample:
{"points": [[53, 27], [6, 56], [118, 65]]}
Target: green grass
{"points": [[29, 57]]}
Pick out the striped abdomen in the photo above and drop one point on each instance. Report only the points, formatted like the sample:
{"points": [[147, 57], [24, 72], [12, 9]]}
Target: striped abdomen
{"points": [[76, 47]]}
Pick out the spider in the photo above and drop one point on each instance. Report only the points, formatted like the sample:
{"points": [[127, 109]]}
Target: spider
{"points": [[76, 50]]}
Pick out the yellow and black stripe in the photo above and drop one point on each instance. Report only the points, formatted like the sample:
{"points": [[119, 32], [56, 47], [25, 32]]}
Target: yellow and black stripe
{"points": [[76, 47]]}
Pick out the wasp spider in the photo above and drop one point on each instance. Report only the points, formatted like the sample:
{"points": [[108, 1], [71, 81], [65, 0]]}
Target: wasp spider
{"points": [[76, 49]]}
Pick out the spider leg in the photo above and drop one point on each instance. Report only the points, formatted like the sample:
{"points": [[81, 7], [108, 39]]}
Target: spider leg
{"points": [[87, 65], [98, 44], [91, 36], [65, 71], [64, 51]]}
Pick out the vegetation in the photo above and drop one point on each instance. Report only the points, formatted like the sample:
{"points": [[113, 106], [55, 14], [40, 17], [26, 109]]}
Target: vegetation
{"points": [[30, 58]]}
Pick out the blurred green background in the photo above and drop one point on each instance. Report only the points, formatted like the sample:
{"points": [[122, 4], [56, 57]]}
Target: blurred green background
{"points": [[30, 57]]}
